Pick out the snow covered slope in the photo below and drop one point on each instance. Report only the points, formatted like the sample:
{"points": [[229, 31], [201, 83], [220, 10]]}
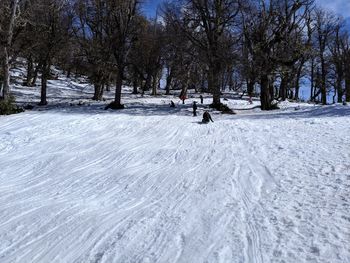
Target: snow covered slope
{"points": [[150, 184]]}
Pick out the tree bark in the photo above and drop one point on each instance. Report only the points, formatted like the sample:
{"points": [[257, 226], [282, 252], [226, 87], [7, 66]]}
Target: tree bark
{"points": [[154, 84], [97, 91], [297, 89], [134, 84], [203, 88], [135, 81], [283, 87], [100, 95], [272, 89], [36, 72], [323, 82], [297, 80], [30, 68], [339, 88], [148, 82], [312, 80], [334, 95], [347, 88], [118, 89], [44, 78], [169, 79], [215, 83], [265, 96], [250, 87], [6, 72], [339, 71], [69, 72], [6, 62]]}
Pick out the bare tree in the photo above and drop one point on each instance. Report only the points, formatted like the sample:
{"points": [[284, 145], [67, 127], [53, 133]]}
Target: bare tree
{"points": [[10, 13], [90, 28], [346, 57], [325, 23], [336, 47], [145, 60], [271, 30], [207, 24], [50, 24], [120, 31]]}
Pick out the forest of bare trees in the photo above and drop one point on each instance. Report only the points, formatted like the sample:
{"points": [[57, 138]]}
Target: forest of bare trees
{"points": [[271, 49]]}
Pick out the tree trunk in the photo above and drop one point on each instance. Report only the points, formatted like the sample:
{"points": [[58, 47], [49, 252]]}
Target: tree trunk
{"points": [[250, 87], [215, 84], [69, 72], [339, 88], [169, 79], [134, 81], [347, 88], [291, 94], [118, 90], [168, 84], [44, 78], [36, 72], [339, 79], [312, 80], [216, 92], [283, 87], [297, 88], [223, 82], [134, 85], [347, 78], [230, 82], [6, 62], [148, 81], [30, 68], [265, 96], [297, 80], [334, 95], [97, 91], [155, 85], [6, 72], [203, 88], [271, 88], [323, 83], [100, 95]]}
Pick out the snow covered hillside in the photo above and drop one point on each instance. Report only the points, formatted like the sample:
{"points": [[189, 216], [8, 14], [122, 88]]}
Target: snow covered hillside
{"points": [[151, 184]]}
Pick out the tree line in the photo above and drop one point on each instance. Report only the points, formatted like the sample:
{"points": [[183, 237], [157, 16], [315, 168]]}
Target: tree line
{"points": [[266, 48]]}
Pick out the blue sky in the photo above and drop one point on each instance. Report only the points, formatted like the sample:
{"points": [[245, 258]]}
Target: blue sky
{"points": [[150, 7], [341, 7]]}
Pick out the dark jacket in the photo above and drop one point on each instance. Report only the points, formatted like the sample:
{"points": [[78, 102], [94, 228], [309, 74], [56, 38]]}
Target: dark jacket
{"points": [[207, 117]]}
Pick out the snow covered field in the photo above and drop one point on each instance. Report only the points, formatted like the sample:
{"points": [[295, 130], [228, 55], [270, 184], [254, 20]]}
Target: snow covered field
{"points": [[150, 184]]}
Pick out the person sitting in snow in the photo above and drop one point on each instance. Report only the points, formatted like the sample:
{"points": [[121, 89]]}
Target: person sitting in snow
{"points": [[194, 108], [172, 104], [206, 117]]}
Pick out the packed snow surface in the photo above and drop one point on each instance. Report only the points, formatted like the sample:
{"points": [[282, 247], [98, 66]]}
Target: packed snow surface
{"points": [[151, 184]]}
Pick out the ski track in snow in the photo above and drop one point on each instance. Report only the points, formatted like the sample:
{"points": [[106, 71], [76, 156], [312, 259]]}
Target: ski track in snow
{"points": [[105, 187]]}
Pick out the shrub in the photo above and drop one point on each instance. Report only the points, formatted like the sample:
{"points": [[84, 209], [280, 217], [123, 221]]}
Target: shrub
{"points": [[8, 107]]}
